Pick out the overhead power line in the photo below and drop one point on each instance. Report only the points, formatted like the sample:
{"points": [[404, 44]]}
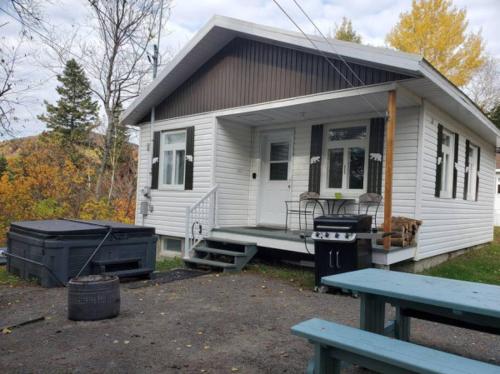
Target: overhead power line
{"points": [[331, 45], [325, 56]]}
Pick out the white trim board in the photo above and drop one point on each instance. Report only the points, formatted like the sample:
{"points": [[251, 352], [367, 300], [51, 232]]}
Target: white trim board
{"points": [[285, 245]]}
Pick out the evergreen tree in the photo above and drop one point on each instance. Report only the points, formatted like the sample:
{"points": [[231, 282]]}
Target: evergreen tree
{"points": [[75, 113], [494, 115], [346, 32], [3, 165]]}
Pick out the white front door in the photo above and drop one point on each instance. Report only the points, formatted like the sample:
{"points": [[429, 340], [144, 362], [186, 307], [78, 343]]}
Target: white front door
{"points": [[276, 176]]}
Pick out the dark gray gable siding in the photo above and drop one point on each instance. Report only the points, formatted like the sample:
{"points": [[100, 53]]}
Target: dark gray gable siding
{"points": [[248, 72]]}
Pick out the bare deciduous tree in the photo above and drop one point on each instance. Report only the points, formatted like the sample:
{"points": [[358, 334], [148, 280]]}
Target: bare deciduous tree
{"points": [[11, 85], [117, 59], [484, 87]]}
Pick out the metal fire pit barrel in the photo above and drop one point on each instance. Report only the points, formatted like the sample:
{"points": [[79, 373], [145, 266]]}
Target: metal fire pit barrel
{"points": [[93, 297]]}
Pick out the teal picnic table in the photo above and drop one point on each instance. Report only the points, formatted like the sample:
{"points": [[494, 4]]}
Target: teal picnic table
{"points": [[459, 303]]}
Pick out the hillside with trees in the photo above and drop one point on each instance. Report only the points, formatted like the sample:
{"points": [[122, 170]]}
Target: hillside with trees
{"points": [[55, 174], [40, 179]]}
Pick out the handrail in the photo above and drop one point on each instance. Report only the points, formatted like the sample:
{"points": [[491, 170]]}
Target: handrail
{"points": [[212, 189], [201, 218]]}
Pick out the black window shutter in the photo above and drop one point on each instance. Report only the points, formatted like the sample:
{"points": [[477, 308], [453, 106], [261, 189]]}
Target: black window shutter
{"points": [[155, 167], [455, 163], [466, 176], [477, 174], [188, 183], [315, 158], [439, 160], [376, 152]]}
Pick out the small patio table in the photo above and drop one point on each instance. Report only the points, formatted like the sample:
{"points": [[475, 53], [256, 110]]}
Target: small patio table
{"points": [[330, 203], [459, 303]]}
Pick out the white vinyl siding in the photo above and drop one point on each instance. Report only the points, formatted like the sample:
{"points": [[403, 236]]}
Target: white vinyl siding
{"points": [[232, 173], [452, 224], [169, 206], [448, 224]]}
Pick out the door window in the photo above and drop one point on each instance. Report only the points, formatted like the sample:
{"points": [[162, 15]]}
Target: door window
{"points": [[278, 161]]}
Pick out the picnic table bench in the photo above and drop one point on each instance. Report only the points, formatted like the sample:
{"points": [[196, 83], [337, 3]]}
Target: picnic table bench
{"points": [[335, 343], [465, 304]]}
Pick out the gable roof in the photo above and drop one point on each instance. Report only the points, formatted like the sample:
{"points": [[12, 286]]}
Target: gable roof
{"points": [[220, 30]]}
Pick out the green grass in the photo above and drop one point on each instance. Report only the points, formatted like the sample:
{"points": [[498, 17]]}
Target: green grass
{"points": [[299, 276], [480, 265], [7, 279], [169, 263]]}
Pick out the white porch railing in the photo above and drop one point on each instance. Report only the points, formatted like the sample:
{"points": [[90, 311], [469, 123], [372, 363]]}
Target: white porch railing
{"points": [[201, 218]]}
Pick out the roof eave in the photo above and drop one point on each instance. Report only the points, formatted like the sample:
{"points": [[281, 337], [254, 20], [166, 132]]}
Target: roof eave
{"points": [[455, 93]]}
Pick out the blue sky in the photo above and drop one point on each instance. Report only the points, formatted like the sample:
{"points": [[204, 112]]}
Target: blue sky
{"points": [[372, 19]]}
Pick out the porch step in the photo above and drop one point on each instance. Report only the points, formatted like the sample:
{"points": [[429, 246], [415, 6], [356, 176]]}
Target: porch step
{"points": [[211, 263], [228, 255], [228, 241], [219, 251]]}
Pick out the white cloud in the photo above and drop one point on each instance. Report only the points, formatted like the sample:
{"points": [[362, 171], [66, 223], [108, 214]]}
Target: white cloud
{"points": [[372, 19]]}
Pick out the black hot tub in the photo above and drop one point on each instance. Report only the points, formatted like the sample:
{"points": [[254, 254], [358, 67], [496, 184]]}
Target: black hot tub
{"points": [[53, 251]]}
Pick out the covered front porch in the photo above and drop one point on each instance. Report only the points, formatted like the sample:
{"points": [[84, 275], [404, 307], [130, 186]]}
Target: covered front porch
{"points": [[343, 143]]}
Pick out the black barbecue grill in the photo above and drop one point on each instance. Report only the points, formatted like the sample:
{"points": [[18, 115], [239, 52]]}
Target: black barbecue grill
{"points": [[342, 243]]}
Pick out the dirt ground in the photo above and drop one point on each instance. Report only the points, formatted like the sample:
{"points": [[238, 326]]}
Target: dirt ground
{"points": [[210, 324]]}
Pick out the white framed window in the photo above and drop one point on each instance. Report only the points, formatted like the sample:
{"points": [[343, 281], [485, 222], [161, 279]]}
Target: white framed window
{"points": [[448, 160], [472, 172], [172, 159], [346, 158], [170, 244]]}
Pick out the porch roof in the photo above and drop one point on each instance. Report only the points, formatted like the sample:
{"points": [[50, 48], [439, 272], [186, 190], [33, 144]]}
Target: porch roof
{"points": [[367, 100], [364, 101]]}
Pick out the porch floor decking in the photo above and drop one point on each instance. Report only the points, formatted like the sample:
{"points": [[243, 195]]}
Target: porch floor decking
{"points": [[268, 232], [293, 240]]}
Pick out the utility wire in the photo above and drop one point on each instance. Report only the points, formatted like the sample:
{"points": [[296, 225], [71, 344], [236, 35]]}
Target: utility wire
{"points": [[331, 45], [322, 53]]}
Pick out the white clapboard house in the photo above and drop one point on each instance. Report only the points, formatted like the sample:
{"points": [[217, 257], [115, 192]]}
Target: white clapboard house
{"points": [[246, 117]]}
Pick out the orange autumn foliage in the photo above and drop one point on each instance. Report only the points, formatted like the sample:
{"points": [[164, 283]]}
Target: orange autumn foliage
{"points": [[45, 180]]}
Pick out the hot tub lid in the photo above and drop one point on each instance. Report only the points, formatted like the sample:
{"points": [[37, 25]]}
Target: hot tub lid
{"points": [[56, 227]]}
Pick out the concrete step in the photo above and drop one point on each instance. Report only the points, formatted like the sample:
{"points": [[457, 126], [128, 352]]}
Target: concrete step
{"points": [[218, 251]]}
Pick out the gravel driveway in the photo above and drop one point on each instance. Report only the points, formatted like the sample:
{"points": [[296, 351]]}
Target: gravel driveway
{"points": [[210, 324]]}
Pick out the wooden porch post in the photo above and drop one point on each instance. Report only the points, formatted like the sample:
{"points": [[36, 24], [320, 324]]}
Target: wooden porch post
{"points": [[389, 161]]}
